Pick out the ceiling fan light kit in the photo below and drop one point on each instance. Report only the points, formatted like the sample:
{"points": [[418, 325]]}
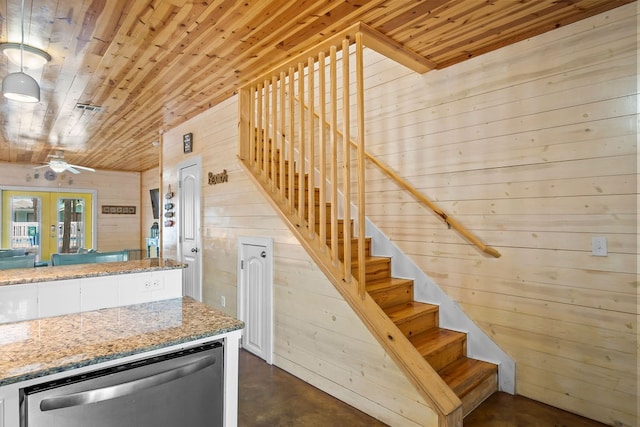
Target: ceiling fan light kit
{"points": [[20, 86], [58, 165]]}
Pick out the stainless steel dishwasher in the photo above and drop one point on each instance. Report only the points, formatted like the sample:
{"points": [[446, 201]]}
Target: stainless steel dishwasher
{"points": [[183, 388]]}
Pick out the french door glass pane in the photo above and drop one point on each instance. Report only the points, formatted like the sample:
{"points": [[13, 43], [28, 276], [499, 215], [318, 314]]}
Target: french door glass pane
{"points": [[26, 224], [71, 212]]}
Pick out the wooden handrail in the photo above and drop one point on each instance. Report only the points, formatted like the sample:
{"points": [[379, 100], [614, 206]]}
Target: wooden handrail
{"points": [[451, 222]]}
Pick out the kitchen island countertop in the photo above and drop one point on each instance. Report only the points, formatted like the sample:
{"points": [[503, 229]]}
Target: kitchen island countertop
{"points": [[36, 348], [63, 272]]}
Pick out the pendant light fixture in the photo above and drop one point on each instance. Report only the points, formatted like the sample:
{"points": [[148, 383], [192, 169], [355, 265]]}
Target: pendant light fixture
{"points": [[21, 86]]}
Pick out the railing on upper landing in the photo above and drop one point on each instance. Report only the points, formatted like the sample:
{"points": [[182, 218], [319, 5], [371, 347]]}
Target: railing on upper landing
{"points": [[304, 147]]}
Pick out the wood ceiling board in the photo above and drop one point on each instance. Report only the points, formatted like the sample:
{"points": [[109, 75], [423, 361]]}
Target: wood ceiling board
{"points": [[152, 64]]}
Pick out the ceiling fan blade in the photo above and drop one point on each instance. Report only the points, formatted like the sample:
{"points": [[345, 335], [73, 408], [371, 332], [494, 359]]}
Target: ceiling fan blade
{"points": [[42, 166], [83, 168], [72, 170]]}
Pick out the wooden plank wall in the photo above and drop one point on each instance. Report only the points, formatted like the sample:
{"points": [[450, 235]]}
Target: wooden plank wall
{"points": [[533, 147], [148, 179], [115, 232], [317, 336]]}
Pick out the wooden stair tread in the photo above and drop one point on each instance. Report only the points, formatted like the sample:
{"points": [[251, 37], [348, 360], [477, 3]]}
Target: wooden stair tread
{"points": [[435, 339], [381, 285], [410, 309], [465, 374]]}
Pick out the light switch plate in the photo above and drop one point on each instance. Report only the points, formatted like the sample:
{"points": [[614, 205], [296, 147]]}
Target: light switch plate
{"points": [[599, 246]]}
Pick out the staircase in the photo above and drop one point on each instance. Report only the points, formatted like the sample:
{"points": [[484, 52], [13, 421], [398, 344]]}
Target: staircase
{"points": [[445, 350], [289, 142]]}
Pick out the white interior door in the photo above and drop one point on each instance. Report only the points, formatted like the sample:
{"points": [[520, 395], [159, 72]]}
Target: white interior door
{"points": [[255, 295], [189, 217]]}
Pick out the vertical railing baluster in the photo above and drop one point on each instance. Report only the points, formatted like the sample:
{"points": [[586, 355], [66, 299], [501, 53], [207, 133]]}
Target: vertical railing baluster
{"points": [[259, 131], [346, 163], [252, 126], [281, 132], [333, 241], [292, 139], [268, 143], [274, 134], [312, 161], [322, 148], [301, 145], [361, 165]]}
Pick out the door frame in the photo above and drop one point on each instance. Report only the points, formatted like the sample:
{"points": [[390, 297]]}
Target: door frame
{"points": [[241, 293], [94, 204], [192, 161]]}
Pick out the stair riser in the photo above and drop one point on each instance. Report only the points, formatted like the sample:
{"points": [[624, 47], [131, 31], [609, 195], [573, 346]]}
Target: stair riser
{"points": [[447, 354], [354, 248], [479, 394], [379, 270], [340, 230], [397, 295], [417, 325]]}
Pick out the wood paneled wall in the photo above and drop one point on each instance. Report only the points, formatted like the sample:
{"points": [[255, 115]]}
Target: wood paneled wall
{"points": [[533, 148], [148, 180], [317, 337], [115, 232]]}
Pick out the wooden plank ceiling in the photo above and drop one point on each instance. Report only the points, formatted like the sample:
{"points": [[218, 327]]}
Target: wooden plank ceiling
{"points": [[152, 64]]}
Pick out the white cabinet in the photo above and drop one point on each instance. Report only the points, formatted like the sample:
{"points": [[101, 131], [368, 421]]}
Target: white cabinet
{"points": [[59, 297], [152, 286], [99, 292], [18, 302], [134, 288], [166, 284]]}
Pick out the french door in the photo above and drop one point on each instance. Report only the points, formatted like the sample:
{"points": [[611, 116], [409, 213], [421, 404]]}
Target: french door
{"points": [[44, 223]]}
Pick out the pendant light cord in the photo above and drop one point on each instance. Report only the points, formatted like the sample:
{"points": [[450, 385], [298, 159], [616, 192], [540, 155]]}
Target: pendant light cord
{"points": [[22, 40]]}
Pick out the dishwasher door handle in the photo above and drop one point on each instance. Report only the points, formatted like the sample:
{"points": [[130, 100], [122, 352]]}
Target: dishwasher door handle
{"points": [[124, 389]]}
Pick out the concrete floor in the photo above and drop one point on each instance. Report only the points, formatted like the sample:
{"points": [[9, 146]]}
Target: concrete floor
{"points": [[269, 396]]}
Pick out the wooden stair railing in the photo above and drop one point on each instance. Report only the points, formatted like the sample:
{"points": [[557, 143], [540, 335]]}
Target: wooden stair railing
{"points": [[296, 159], [451, 222]]}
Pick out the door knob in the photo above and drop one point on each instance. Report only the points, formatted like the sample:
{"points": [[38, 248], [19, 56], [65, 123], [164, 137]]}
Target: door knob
{"points": [[263, 254], [194, 249]]}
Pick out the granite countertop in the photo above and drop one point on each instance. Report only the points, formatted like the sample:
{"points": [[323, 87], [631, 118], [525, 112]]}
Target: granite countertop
{"points": [[45, 274], [36, 348]]}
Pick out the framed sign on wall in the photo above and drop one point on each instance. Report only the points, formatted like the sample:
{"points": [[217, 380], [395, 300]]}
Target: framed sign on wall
{"points": [[187, 142]]}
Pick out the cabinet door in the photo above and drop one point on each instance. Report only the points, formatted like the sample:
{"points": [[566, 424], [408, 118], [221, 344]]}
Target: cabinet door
{"points": [[166, 284], [133, 289], [59, 297], [99, 292], [18, 302]]}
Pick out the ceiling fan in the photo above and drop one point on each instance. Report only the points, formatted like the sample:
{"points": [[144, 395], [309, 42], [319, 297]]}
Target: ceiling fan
{"points": [[59, 165]]}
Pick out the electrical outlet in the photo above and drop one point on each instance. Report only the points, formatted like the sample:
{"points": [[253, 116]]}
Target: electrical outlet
{"points": [[223, 301], [599, 246], [152, 285]]}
